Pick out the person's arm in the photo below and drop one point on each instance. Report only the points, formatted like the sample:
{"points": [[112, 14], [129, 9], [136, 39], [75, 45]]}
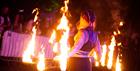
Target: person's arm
{"points": [[98, 48], [79, 42]]}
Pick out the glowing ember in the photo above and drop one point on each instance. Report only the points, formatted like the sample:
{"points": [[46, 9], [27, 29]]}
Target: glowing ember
{"points": [[119, 32], [41, 62], [111, 51], [104, 50], [115, 33], [119, 44], [121, 23], [118, 64], [29, 52]]}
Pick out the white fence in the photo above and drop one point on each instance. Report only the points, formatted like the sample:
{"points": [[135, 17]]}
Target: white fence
{"points": [[14, 44]]}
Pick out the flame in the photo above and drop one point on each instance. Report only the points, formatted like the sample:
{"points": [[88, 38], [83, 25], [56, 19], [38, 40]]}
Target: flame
{"points": [[55, 48], [36, 15], [119, 32], [104, 50], [96, 59], [63, 42], [118, 64], [41, 62], [119, 44], [52, 38], [29, 52], [115, 33], [111, 51], [65, 8], [62, 57], [121, 23]]}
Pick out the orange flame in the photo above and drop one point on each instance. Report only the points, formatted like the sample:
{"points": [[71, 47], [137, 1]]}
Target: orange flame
{"points": [[36, 16], [63, 42], [118, 64], [41, 62], [29, 52], [65, 8], [115, 33], [111, 51], [96, 59], [104, 50], [121, 23], [52, 38], [64, 39], [119, 32]]}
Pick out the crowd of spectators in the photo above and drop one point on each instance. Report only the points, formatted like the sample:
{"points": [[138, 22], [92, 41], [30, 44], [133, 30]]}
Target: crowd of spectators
{"points": [[22, 21]]}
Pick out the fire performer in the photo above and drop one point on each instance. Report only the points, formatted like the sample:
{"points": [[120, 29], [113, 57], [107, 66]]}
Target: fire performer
{"points": [[86, 40]]}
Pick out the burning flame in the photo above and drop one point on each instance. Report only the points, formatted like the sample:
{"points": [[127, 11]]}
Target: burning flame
{"points": [[115, 33], [111, 51], [62, 57], [104, 51], [29, 52], [118, 64], [41, 62], [121, 23], [52, 41], [119, 32], [63, 42], [37, 13], [65, 8], [52, 38], [96, 59]]}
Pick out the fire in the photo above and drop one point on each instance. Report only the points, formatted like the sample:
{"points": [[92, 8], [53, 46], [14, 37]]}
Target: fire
{"points": [[119, 44], [96, 59], [52, 41], [41, 62], [52, 38], [62, 57], [121, 23], [36, 16], [111, 51], [115, 33], [119, 32], [63, 42], [29, 52], [65, 8], [118, 64], [104, 51]]}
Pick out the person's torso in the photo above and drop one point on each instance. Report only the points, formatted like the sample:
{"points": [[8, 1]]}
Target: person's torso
{"points": [[89, 45]]}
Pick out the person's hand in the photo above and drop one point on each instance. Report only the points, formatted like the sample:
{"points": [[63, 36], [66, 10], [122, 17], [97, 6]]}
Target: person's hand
{"points": [[91, 59]]}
